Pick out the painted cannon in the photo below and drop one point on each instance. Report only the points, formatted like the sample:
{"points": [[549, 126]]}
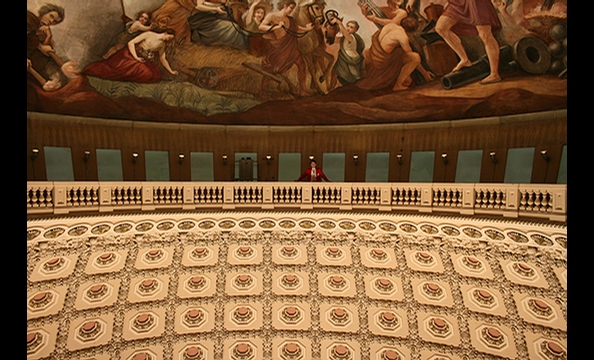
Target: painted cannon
{"points": [[480, 69]]}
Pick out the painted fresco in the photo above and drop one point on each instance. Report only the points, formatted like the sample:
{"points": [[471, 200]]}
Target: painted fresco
{"points": [[314, 62]]}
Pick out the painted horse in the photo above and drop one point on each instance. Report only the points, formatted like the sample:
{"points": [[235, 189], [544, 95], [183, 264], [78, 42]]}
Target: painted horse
{"points": [[312, 45]]}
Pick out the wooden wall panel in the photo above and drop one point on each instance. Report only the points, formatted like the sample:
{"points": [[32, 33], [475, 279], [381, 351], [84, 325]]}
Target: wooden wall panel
{"points": [[541, 131]]}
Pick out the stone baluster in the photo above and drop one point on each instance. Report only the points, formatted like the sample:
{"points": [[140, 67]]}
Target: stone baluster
{"points": [[33, 198], [279, 195], [198, 195], [237, 195], [69, 196], [290, 195], [338, 191], [437, 197]]}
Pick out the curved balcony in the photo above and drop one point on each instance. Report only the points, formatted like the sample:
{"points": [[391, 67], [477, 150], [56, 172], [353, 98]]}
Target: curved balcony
{"points": [[544, 201]]}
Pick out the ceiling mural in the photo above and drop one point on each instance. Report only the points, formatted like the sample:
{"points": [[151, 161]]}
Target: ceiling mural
{"points": [[306, 62]]}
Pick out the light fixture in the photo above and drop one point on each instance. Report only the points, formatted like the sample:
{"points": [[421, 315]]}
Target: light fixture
{"points": [[399, 158], [86, 157], [181, 158], [34, 154], [356, 159], [493, 157], [268, 159], [224, 159], [134, 157], [547, 158], [444, 157], [494, 160], [311, 157]]}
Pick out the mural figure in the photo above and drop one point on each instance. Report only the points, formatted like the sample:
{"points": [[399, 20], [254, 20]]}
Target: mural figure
{"points": [[173, 14], [244, 60], [43, 65], [136, 62], [383, 15], [394, 13], [312, 44], [280, 29], [213, 24], [132, 29], [350, 63], [255, 14], [252, 19], [471, 17], [391, 59], [313, 173]]}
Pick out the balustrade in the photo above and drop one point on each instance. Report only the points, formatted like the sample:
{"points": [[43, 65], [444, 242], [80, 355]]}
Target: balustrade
{"points": [[406, 196], [447, 197], [512, 200], [82, 196], [248, 194], [208, 194], [366, 195], [489, 198], [533, 199], [286, 194], [126, 195], [39, 195], [324, 194], [167, 194]]}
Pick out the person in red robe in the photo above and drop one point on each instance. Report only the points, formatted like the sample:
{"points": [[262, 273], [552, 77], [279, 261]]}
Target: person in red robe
{"points": [[471, 17], [313, 173], [137, 61]]}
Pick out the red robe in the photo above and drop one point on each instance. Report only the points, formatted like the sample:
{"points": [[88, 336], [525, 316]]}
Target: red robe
{"points": [[284, 52], [307, 176], [122, 66], [470, 13], [381, 68]]}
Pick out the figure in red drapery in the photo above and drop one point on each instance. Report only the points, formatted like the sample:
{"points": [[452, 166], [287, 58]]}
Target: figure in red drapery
{"points": [[137, 61]]}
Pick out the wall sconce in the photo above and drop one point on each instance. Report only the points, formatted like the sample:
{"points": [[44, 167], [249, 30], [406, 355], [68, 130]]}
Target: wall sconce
{"points": [[268, 159], [547, 158], [493, 157], [311, 157], [34, 154], [399, 159], [181, 158], [444, 157], [224, 159], [86, 157], [356, 159], [494, 160], [134, 159]]}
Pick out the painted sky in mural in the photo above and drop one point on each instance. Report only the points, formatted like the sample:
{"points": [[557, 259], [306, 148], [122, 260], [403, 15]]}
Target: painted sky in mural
{"points": [[219, 64]]}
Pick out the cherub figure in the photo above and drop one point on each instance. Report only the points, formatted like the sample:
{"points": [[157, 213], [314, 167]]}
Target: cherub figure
{"points": [[132, 29]]}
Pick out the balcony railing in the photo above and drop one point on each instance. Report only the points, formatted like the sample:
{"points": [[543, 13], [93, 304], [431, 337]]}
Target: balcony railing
{"points": [[547, 201]]}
